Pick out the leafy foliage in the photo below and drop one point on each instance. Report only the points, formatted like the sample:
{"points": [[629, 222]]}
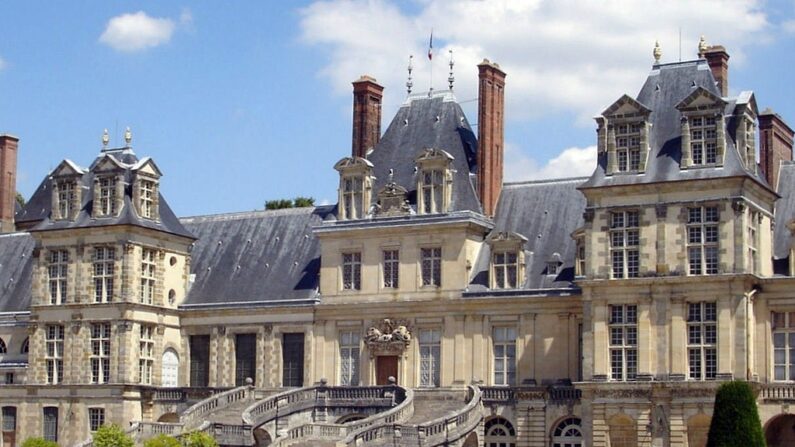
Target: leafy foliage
{"points": [[198, 439], [38, 442], [162, 441], [112, 436], [735, 418], [301, 202], [298, 202], [20, 199]]}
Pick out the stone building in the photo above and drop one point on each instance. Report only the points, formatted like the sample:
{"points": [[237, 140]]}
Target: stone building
{"points": [[433, 304]]}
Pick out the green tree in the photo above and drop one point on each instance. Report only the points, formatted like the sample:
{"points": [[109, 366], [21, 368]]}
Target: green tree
{"points": [[112, 436], [20, 199], [38, 442], [301, 202], [735, 418], [198, 439], [162, 441], [278, 204]]}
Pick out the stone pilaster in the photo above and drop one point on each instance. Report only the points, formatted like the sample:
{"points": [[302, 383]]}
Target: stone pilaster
{"points": [[687, 155]]}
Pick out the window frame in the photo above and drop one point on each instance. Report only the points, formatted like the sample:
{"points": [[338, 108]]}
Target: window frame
{"points": [[504, 340], [433, 190], [623, 321], [699, 135], [431, 267], [702, 319], [146, 354], [66, 196], [54, 352], [703, 251], [430, 356], [106, 202], [628, 154], [148, 275], [505, 263], [351, 271], [352, 192], [786, 330], [147, 191], [350, 355], [100, 339], [390, 258], [624, 240], [58, 275], [96, 418], [104, 266]]}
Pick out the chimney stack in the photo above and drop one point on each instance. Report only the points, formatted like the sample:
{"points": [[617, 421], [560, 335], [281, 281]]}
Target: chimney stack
{"points": [[367, 95], [491, 137], [775, 144], [718, 60], [8, 181]]}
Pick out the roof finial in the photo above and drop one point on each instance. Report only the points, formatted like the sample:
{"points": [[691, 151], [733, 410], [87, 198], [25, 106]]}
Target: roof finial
{"points": [[451, 78], [702, 46], [657, 52], [105, 139], [410, 83], [128, 136]]}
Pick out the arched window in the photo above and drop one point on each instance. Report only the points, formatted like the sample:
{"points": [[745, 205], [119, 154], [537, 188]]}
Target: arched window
{"points": [[499, 433], [25, 346], [3, 349], [568, 433], [170, 369]]}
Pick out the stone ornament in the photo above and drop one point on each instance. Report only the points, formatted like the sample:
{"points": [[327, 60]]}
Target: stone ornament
{"points": [[388, 337]]}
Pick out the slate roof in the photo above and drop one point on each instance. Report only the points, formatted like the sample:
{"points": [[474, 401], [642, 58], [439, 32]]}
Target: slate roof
{"points": [[35, 215], [260, 256], [421, 123], [16, 271], [546, 213], [785, 210], [666, 86]]}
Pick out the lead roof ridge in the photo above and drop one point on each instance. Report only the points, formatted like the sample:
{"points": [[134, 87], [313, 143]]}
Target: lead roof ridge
{"points": [[548, 181], [248, 214]]}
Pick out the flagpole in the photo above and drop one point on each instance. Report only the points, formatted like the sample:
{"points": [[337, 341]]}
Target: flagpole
{"points": [[430, 59]]}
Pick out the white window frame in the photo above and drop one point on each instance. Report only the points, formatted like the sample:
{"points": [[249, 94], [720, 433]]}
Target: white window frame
{"points": [[783, 342], [148, 275], [430, 347], [66, 197], [350, 350], [104, 263], [623, 341], [391, 268], [704, 140], [433, 191], [147, 192], [146, 354], [702, 340], [54, 341], [100, 352], [628, 146], [504, 355], [353, 196], [352, 270], [58, 271], [96, 418], [505, 265], [753, 241], [703, 240], [624, 244], [107, 196], [431, 266]]}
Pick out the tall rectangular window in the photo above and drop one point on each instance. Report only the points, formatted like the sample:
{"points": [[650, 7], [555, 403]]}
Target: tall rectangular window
{"points": [[623, 327], [293, 359], [352, 197], [704, 140], [702, 340], [506, 267], [66, 197], [783, 346], [107, 196], [199, 360], [148, 268], [391, 269], [96, 418], [50, 423], [103, 274], [54, 356], [504, 339], [624, 243], [431, 266], [352, 271], [349, 358], [146, 352], [702, 240], [628, 146], [432, 186], [100, 353], [147, 198], [9, 419], [753, 241], [245, 358], [57, 269], [430, 357]]}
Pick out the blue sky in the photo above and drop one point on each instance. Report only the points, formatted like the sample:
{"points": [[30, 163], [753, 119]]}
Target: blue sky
{"points": [[241, 102]]}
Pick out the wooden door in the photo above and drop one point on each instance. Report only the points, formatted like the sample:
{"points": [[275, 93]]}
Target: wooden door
{"points": [[386, 366]]}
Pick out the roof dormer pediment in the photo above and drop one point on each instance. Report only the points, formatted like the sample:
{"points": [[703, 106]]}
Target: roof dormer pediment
{"points": [[107, 163], [67, 168], [431, 153], [353, 163], [505, 237], [626, 106], [148, 167], [700, 99]]}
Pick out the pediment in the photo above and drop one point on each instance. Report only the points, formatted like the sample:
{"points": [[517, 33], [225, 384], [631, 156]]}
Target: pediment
{"points": [[349, 163], [147, 166], [701, 98], [107, 163], [626, 105], [431, 153], [67, 168], [505, 237]]}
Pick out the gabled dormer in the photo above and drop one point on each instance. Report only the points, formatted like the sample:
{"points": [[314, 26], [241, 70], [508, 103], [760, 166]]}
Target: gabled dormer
{"points": [[744, 120], [507, 266], [66, 191], [703, 129], [623, 133], [434, 181], [108, 187], [355, 190], [146, 185]]}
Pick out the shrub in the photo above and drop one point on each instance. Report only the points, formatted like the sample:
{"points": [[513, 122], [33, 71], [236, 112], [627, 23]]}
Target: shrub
{"points": [[735, 418], [301, 202], [38, 442], [198, 439], [162, 441], [112, 436]]}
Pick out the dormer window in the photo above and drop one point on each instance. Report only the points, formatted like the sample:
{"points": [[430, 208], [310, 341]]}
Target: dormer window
{"points": [[105, 197], [506, 269], [432, 191], [507, 260], [355, 187], [147, 193], [434, 181], [628, 146], [623, 135], [352, 197], [66, 198], [703, 140], [703, 133]]}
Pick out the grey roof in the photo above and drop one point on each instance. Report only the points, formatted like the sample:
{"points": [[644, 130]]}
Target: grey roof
{"points": [[666, 86], [785, 210], [258, 256], [16, 270], [37, 211], [546, 213], [421, 123]]}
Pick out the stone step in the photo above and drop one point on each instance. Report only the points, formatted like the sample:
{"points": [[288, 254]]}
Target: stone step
{"points": [[432, 404]]}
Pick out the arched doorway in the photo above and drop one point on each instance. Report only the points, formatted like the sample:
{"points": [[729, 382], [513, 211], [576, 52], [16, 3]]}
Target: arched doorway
{"points": [[170, 370], [499, 433], [623, 431], [262, 438], [568, 433], [168, 417], [780, 431]]}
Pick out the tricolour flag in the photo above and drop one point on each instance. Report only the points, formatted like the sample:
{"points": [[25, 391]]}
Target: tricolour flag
{"points": [[430, 48]]}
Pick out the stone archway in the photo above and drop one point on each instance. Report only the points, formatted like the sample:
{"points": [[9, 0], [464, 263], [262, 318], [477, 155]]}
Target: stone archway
{"points": [[168, 417], [262, 438], [350, 418], [780, 431]]}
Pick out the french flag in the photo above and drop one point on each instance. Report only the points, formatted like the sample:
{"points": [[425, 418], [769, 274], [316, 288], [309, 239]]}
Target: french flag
{"points": [[430, 48]]}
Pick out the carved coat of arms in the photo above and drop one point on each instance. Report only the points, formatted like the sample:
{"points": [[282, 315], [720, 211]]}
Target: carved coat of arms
{"points": [[389, 337]]}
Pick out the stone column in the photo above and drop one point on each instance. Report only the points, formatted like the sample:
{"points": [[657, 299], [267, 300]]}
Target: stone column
{"points": [[612, 159], [687, 155]]}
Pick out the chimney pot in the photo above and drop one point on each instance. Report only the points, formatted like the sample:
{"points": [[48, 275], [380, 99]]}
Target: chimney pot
{"points": [[8, 181], [491, 136], [718, 60], [367, 97], [775, 144]]}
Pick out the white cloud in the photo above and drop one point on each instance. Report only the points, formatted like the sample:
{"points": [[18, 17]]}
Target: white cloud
{"points": [[137, 31], [571, 162]]}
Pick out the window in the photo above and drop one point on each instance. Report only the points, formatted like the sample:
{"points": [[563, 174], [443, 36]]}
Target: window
{"points": [[352, 271], [623, 327], [783, 346], [100, 353], [146, 359], [703, 140], [66, 197], [499, 432], [568, 433], [147, 199], [103, 274], [349, 358], [352, 188], [624, 242], [432, 190], [59, 263], [199, 360], [3, 349], [9, 378], [391, 269], [702, 240], [504, 355], [753, 241], [96, 418], [50, 423], [506, 268], [293, 359], [25, 346], [430, 357], [580, 257], [107, 196], [9, 419], [431, 266], [54, 357], [702, 340], [628, 146], [245, 358], [169, 376], [147, 275]]}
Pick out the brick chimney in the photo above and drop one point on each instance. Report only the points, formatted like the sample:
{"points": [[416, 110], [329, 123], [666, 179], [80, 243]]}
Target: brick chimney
{"points": [[367, 96], [8, 181], [718, 60], [491, 138], [775, 144]]}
